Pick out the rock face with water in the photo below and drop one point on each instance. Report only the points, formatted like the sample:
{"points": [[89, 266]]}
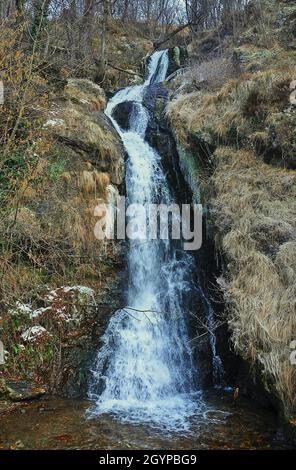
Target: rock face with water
{"points": [[144, 371], [160, 136]]}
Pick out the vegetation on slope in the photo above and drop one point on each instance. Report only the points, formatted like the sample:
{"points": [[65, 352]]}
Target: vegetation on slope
{"points": [[242, 133], [59, 158]]}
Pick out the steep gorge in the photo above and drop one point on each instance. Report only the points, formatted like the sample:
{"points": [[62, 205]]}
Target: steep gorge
{"points": [[148, 374]]}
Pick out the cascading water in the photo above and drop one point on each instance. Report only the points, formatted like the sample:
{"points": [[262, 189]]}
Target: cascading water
{"points": [[218, 369], [144, 370]]}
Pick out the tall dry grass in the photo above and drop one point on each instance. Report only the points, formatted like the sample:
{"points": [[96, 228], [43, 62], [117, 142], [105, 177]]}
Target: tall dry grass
{"points": [[253, 208], [249, 121]]}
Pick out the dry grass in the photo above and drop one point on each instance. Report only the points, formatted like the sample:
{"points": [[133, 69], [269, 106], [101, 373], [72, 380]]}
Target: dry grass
{"points": [[250, 123], [210, 75], [51, 238], [88, 182], [253, 202], [252, 110]]}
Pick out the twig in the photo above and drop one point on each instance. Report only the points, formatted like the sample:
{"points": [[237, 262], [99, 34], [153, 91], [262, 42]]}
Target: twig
{"points": [[178, 30], [129, 72]]}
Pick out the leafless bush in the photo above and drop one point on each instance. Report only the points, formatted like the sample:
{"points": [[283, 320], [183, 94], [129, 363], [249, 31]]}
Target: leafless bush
{"points": [[209, 75]]}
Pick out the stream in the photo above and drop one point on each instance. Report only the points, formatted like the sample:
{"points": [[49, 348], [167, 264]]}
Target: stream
{"points": [[65, 424]]}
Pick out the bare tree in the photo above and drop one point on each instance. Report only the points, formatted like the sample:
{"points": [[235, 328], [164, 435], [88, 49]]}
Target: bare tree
{"points": [[204, 14]]}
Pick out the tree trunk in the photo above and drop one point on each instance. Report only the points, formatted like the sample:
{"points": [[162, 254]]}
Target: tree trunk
{"points": [[124, 17], [103, 51]]}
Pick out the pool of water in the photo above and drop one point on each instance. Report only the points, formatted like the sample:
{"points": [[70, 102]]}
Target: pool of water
{"points": [[66, 424]]}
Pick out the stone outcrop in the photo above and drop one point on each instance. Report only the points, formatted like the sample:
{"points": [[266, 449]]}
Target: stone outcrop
{"points": [[20, 391], [122, 112], [59, 328], [77, 120]]}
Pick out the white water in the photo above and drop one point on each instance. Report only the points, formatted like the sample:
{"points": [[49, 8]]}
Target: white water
{"points": [[144, 370], [218, 369]]}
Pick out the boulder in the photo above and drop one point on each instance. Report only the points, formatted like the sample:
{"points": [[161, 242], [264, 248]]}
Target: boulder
{"points": [[153, 94], [76, 120], [121, 114], [23, 391]]}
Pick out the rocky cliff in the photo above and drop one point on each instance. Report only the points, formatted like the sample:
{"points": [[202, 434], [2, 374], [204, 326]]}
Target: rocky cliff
{"points": [[69, 282], [234, 122]]}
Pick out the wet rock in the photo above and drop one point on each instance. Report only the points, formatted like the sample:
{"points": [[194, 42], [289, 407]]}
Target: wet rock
{"points": [[24, 391], [121, 114], [160, 137], [151, 98]]}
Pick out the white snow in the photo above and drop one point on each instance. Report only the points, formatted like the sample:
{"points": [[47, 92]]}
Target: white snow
{"points": [[54, 123], [31, 334], [21, 308]]}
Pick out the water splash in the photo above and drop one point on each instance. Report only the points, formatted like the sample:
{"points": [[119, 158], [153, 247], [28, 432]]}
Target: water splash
{"points": [[217, 364]]}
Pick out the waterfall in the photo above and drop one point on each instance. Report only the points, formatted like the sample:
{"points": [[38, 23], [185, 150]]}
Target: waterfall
{"points": [[144, 369]]}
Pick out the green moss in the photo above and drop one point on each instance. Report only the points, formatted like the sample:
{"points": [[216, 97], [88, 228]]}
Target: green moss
{"points": [[176, 56], [254, 59], [56, 169], [189, 169]]}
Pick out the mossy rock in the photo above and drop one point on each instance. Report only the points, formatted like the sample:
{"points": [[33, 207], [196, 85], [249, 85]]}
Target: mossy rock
{"points": [[3, 388], [23, 391], [177, 58]]}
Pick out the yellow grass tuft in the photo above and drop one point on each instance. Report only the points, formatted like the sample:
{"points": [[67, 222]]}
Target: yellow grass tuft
{"points": [[89, 182], [251, 109], [258, 235]]}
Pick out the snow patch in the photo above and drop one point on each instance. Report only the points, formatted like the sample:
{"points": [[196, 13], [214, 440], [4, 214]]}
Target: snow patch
{"points": [[33, 333], [54, 123]]}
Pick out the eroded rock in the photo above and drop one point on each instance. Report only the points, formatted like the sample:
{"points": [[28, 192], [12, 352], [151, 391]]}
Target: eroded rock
{"points": [[22, 391], [121, 114], [77, 121]]}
